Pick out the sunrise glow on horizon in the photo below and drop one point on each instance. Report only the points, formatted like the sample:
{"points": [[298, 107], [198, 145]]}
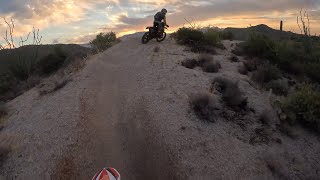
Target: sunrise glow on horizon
{"points": [[71, 21]]}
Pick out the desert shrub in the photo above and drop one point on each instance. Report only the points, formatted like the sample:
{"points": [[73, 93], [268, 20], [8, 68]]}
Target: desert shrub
{"points": [[7, 80], [220, 46], [3, 109], [188, 36], [238, 50], [52, 62], [242, 69], [189, 63], [264, 118], [261, 136], [265, 73], [234, 58], [279, 87], [204, 59], [211, 37], [53, 86], [299, 56], [202, 48], [296, 68], [313, 71], [104, 41], [226, 35], [23, 68], [304, 107], [259, 46], [203, 106], [74, 58], [231, 93], [252, 64], [211, 67], [198, 41]]}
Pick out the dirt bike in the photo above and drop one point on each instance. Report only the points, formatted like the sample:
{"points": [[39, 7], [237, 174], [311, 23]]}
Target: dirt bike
{"points": [[154, 33]]}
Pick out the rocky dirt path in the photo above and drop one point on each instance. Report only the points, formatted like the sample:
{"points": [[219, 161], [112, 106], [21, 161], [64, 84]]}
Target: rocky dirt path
{"points": [[129, 108]]}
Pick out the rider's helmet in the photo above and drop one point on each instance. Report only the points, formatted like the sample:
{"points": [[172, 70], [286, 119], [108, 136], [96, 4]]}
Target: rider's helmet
{"points": [[107, 174], [164, 11]]}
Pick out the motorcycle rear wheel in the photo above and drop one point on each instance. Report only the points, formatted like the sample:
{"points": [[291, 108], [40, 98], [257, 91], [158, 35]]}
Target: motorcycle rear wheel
{"points": [[163, 37], [145, 38]]}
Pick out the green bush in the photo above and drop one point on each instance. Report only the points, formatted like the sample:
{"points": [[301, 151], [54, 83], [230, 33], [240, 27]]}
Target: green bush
{"points": [[198, 41], [259, 46], [52, 62], [23, 68], [304, 106], [212, 37], [266, 73], [226, 35], [313, 71], [104, 41], [299, 57], [279, 87], [189, 36]]}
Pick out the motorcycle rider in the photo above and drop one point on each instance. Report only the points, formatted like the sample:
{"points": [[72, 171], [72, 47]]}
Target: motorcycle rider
{"points": [[160, 20]]}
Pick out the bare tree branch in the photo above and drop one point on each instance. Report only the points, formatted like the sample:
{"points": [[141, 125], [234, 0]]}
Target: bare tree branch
{"points": [[304, 28], [11, 28], [23, 41]]}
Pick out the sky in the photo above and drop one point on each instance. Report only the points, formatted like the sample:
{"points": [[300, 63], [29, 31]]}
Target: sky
{"points": [[78, 21]]}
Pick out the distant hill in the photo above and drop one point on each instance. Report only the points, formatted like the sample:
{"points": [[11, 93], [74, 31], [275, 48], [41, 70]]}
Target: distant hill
{"points": [[7, 56], [243, 33]]}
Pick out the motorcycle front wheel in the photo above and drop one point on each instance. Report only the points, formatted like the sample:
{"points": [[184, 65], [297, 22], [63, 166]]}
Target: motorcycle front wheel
{"points": [[164, 35], [145, 38]]}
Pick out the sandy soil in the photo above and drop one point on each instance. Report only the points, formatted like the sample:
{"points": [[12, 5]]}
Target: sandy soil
{"points": [[128, 108]]}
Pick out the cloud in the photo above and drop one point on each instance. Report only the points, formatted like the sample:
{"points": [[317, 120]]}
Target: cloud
{"points": [[79, 20]]}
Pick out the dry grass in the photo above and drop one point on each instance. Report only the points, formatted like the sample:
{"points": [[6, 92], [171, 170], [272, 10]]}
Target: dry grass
{"points": [[203, 106], [288, 130], [261, 136], [204, 59], [279, 87], [231, 93], [266, 73], [251, 64], [207, 63], [211, 67], [189, 63], [53, 85]]}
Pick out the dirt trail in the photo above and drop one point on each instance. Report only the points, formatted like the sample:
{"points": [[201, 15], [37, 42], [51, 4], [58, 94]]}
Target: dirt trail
{"points": [[115, 120], [128, 108]]}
